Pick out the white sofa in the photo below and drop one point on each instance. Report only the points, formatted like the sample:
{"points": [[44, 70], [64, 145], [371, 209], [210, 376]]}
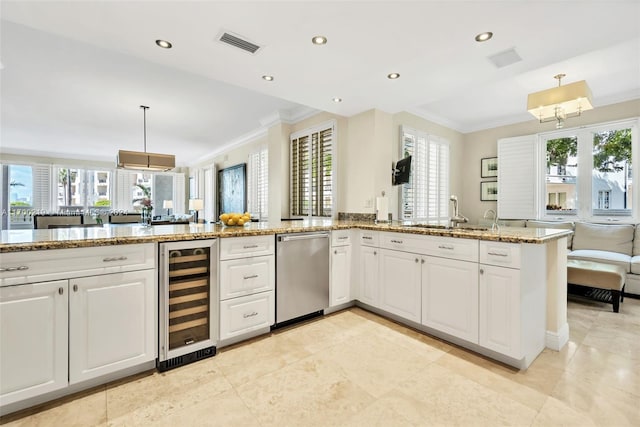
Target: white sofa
{"points": [[617, 244]]}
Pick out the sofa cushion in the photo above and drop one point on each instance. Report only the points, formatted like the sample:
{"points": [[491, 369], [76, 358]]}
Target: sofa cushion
{"points": [[635, 264], [636, 241], [565, 225], [602, 256], [604, 237]]}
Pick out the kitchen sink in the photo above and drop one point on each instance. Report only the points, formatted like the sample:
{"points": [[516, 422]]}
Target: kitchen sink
{"points": [[444, 227]]}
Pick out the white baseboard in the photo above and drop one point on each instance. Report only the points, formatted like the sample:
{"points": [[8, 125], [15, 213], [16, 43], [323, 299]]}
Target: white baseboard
{"points": [[557, 340]]}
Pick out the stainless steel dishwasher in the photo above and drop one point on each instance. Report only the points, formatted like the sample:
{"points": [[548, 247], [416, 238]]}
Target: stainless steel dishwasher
{"points": [[302, 275]]}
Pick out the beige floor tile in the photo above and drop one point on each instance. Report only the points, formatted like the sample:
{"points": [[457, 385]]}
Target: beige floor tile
{"points": [[308, 392], [85, 409], [503, 384], [447, 398], [247, 361], [605, 368], [605, 405], [384, 412], [317, 335], [557, 414], [622, 341]]}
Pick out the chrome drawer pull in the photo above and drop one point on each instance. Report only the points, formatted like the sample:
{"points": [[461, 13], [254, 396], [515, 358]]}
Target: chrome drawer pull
{"points": [[250, 277], [367, 237], [21, 268], [343, 237], [111, 259], [445, 247], [496, 254], [396, 241], [250, 315], [250, 246]]}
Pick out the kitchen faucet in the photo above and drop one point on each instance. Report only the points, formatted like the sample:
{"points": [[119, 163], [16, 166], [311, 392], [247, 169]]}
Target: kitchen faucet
{"points": [[456, 219], [494, 224]]}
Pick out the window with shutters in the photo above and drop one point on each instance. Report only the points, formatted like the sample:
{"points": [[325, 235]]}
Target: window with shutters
{"points": [[426, 196], [258, 183], [312, 172], [83, 188]]}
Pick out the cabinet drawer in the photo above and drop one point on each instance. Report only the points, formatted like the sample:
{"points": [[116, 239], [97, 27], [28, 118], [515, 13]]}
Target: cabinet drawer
{"points": [[500, 254], [340, 237], [453, 248], [242, 315], [40, 266], [241, 247], [403, 242], [369, 238], [246, 276]]}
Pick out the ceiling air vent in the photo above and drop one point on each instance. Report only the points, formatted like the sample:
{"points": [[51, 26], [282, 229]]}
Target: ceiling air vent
{"points": [[507, 57], [237, 41]]}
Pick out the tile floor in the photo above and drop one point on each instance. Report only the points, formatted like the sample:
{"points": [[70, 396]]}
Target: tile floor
{"points": [[354, 368]]}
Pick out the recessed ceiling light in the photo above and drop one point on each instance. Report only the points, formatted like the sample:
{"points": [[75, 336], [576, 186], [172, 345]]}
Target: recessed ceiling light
{"points": [[337, 99], [483, 37], [164, 44], [319, 40], [267, 78], [393, 76]]}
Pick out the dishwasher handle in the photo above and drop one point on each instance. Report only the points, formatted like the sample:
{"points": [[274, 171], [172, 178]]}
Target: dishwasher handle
{"points": [[289, 238]]}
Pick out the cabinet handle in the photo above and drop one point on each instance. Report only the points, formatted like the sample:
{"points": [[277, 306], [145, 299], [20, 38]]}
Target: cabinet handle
{"points": [[61, 290], [422, 262], [250, 246], [255, 313], [416, 259], [250, 277], [115, 258], [445, 247], [21, 268], [367, 237], [189, 341], [343, 237], [396, 241], [375, 252], [496, 254], [75, 288], [482, 271]]}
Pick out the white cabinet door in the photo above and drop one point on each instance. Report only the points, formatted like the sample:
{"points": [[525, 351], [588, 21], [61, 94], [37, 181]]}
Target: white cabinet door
{"points": [[368, 282], [400, 284], [33, 340], [242, 315], [246, 276], [339, 292], [112, 323], [450, 297], [500, 310]]}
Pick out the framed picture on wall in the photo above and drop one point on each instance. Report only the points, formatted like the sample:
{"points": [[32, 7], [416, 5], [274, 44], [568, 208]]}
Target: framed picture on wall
{"points": [[232, 189], [489, 167], [489, 191]]}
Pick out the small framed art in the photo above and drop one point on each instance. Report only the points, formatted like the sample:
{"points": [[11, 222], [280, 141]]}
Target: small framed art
{"points": [[489, 191], [489, 167]]}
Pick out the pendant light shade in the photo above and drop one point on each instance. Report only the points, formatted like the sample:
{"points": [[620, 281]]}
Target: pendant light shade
{"points": [[560, 103], [141, 160]]}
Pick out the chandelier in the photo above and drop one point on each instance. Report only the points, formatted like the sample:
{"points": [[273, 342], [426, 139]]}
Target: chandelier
{"points": [[560, 103]]}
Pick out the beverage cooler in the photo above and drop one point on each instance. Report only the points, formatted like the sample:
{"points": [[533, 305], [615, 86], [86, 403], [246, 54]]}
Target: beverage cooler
{"points": [[188, 302]]}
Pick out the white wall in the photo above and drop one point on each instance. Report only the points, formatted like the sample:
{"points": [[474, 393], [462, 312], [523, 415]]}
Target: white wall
{"points": [[478, 145]]}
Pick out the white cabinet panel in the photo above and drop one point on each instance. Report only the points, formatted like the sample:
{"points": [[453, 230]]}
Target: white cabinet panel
{"points": [[341, 237], [242, 247], [500, 254], [500, 319], [242, 315], [400, 277], [368, 282], [245, 276], [450, 297], [112, 323], [369, 238], [339, 291], [33, 340]]}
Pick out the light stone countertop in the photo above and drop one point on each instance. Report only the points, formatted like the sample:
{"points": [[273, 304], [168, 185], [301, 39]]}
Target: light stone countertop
{"points": [[63, 238]]}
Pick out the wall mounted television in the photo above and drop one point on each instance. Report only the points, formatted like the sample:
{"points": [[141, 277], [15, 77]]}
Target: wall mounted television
{"points": [[402, 171]]}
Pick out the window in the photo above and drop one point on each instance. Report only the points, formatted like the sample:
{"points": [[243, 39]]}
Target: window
{"points": [[258, 184], [426, 196], [312, 174], [81, 189], [589, 170]]}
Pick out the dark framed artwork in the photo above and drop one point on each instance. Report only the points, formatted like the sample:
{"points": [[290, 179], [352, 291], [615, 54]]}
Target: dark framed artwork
{"points": [[488, 167], [232, 189], [489, 191]]}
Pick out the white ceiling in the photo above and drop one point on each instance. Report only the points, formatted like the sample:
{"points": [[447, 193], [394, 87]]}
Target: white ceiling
{"points": [[75, 73]]}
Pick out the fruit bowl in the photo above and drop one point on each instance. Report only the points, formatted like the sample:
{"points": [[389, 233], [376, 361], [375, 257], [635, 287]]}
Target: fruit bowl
{"points": [[234, 219]]}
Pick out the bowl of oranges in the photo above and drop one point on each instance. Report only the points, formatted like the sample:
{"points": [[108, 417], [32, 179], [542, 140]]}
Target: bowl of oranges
{"points": [[234, 219]]}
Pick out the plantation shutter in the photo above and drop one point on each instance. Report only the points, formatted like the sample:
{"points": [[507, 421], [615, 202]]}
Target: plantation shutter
{"points": [[426, 196], [124, 193], [179, 182], [209, 195], [258, 183], [518, 177], [311, 181], [43, 184]]}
